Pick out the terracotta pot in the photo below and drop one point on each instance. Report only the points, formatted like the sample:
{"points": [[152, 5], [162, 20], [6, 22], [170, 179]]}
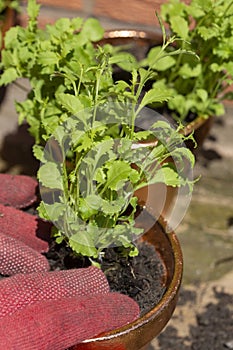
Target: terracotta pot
{"points": [[138, 334], [139, 42]]}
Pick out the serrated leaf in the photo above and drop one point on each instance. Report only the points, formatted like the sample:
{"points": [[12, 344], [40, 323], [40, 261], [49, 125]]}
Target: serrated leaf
{"points": [[228, 66], [180, 26], [166, 175], [117, 174], [63, 25], [11, 37], [48, 58], [155, 95], [208, 33], [190, 72], [70, 102], [54, 211], [218, 109], [202, 94], [38, 152], [183, 154], [122, 85], [87, 208], [113, 207], [76, 23], [124, 60], [91, 31], [60, 134], [157, 62], [99, 176], [165, 63], [82, 244], [8, 76], [33, 9], [50, 176], [93, 201]]}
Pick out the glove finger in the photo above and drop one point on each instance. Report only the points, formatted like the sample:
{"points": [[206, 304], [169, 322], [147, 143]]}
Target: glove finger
{"points": [[21, 290], [25, 227], [16, 257], [17, 191], [50, 325]]}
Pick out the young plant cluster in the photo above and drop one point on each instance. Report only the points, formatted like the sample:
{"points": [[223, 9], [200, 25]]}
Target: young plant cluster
{"points": [[88, 130], [198, 85]]}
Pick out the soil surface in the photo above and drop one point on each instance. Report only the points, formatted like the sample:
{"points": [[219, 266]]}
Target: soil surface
{"points": [[139, 277], [211, 328]]}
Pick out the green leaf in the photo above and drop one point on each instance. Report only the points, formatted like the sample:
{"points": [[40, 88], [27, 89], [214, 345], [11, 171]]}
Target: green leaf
{"points": [[124, 60], [173, 8], [99, 176], [208, 33], [158, 62], [33, 9], [81, 243], [76, 23], [91, 31], [54, 211], [8, 76], [164, 63], [180, 26], [166, 175], [188, 72], [87, 208], [180, 154], [48, 58], [202, 94], [113, 207], [70, 102], [38, 152], [50, 176], [11, 37], [155, 95], [117, 174]]}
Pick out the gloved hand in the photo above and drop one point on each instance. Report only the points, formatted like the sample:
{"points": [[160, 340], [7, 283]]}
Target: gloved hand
{"points": [[56, 310], [41, 309]]}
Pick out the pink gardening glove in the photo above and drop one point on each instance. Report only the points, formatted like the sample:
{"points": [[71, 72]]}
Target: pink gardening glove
{"points": [[18, 191], [49, 310], [23, 237], [55, 310]]}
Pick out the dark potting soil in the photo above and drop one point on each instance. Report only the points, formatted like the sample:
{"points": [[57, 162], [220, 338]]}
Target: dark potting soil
{"points": [[213, 329], [139, 277]]}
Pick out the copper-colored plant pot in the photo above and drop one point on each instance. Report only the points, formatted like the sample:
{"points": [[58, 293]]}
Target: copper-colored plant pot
{"points": [[138, 334]]}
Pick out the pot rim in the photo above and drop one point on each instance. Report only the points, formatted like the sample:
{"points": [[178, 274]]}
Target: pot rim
{"points": [[125, 33], [167, 298], [194, 125]]}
